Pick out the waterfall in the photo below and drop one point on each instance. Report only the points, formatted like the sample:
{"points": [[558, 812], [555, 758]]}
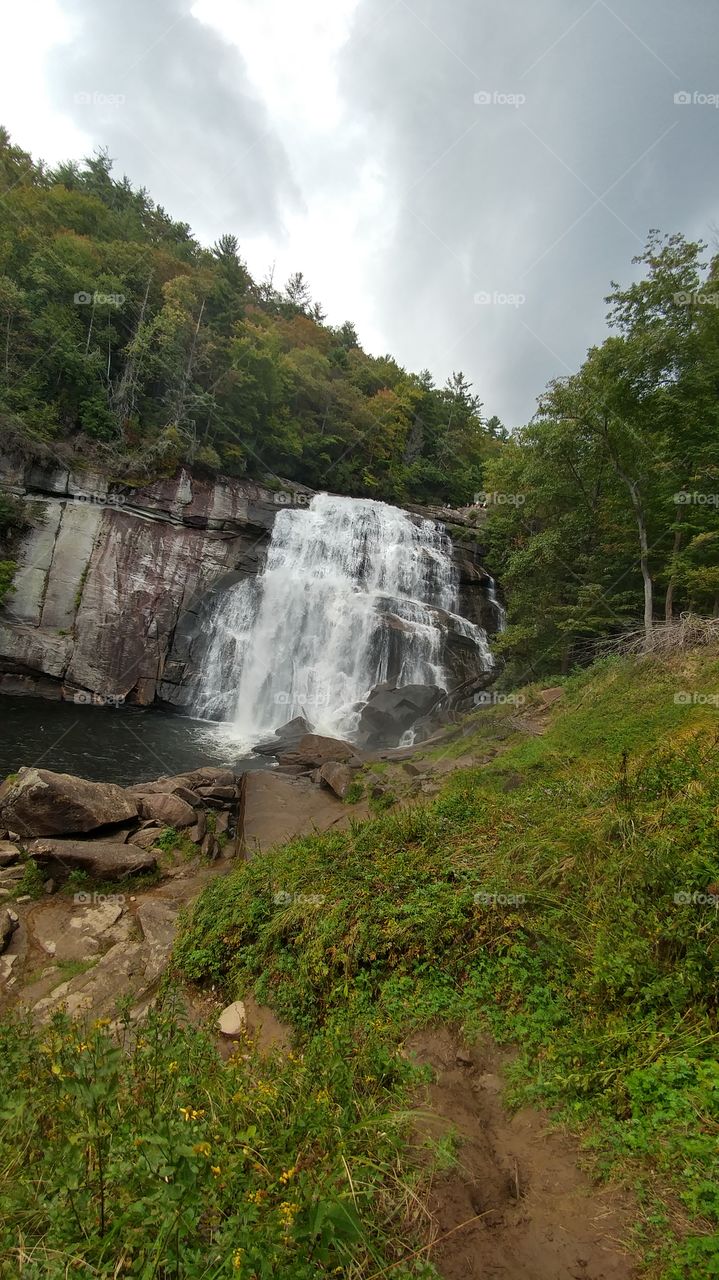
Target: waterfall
{"points": [[353, 593], [500, 611]]}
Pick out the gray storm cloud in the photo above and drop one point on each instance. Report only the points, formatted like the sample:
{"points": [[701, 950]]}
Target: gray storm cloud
{"points": [[174, 103], [525, 149], [544, 188]]}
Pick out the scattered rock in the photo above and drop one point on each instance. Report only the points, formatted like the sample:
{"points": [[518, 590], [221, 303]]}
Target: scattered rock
{"points": [[412, 769], [50, 886], [11, 875], [6, 967], [233, 1020], [40, 803], [106, 859], [146, 838], [8, 924], [198, 831], [313, 750], [338, 777], [169, 809], [9, 853]]}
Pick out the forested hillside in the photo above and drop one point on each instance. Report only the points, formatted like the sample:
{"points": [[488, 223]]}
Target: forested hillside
{"points": [[126, 342], [118, 326], [605, 509]]}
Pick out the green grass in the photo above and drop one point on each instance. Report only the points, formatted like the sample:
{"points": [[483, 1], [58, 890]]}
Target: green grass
{"points": [[562, 897], [163, 1161], [585, 947]]}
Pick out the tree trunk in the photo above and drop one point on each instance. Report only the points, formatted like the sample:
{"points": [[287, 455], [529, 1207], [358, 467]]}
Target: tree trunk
{"points": [[669, 599]]}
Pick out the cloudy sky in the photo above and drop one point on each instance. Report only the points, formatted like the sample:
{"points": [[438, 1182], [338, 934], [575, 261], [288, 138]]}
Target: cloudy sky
{"points": [[462, 178]]}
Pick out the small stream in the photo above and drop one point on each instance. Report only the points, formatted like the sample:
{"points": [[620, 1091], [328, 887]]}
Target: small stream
{"points": [[108, 744]]}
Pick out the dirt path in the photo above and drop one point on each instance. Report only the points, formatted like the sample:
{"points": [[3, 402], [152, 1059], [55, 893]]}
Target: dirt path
{"points": [[530, 1212]]}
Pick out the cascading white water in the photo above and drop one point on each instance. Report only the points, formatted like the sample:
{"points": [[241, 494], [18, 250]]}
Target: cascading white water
{"points": [[349, 596], [499, 609]]}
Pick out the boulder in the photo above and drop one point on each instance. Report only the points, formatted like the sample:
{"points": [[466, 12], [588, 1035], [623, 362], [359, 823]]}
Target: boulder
{"points": [[338, 777], [182, 783], [105, 859], [9, 853], [313, 750], [146, 838], [40, 803], [169, 809], [284, 738], [388, 713], [8, 924], [233, 1020]]}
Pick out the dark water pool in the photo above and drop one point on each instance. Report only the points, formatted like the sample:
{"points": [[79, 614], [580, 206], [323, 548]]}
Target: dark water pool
{"points": [[108, 744]]}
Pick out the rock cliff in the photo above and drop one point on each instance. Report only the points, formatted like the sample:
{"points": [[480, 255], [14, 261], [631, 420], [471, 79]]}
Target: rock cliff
{"points": [[114, 583]]}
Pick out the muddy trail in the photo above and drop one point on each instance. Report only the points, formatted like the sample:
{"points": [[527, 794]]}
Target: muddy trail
{"points": [[516, 1203]]}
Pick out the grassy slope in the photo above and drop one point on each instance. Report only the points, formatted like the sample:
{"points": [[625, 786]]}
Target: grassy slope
{"points": [[535, 898], [577, 843]]}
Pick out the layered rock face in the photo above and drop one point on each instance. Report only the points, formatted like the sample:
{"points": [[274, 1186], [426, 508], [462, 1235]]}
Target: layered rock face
{"points": [[115, 584], [106, 575]]}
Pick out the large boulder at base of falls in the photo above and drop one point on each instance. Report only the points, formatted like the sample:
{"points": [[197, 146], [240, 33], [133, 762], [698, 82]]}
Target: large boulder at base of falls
{"points": [[313, 750], [37, 802], [388, 713], [284, 738], [104, 859]]}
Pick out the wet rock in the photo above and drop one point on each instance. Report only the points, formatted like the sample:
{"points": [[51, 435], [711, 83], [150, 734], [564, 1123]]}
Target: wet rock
{"points": [[313, 750], [338, 777], [105, 859], [284, 738], [169, 809], [388, 713], [40, 803], [233, 1020]]}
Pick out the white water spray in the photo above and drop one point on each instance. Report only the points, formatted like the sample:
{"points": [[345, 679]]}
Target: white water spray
{"points": [[354, 592]]}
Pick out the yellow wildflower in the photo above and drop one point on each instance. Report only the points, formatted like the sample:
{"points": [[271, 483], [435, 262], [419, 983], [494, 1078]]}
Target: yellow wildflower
{"points": [[202, 1148], [288, 1174], [215, 1170], [237, 1257]]}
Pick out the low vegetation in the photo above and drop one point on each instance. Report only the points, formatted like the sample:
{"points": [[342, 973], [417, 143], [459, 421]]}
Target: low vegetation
{"points": [[562, 896]]}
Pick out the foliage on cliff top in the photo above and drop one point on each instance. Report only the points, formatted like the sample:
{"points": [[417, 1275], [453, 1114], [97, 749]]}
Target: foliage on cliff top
{"points": [[126, 338], [565, 894]]}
